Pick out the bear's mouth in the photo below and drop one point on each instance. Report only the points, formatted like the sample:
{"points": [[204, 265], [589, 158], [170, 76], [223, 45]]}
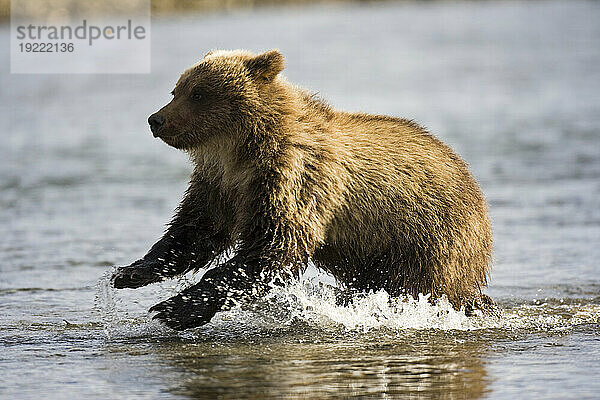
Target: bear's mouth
{"points": [[174, 140], [167, 137]]}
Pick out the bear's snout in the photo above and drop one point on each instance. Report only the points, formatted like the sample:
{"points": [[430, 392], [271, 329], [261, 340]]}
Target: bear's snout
{"points": [[156, 122]]}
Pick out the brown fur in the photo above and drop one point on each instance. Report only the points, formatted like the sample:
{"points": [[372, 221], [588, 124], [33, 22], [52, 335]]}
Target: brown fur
{"points": [[376, 201]]}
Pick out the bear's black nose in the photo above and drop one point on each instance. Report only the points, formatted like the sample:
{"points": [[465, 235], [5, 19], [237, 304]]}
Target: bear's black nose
{"points": [[156, 122]]}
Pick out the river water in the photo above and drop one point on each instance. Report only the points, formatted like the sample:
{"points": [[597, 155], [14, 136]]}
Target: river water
{"points": [[514, 87]]}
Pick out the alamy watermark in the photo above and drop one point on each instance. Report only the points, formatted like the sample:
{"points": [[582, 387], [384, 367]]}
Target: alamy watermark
{"points": [[72, 36]]}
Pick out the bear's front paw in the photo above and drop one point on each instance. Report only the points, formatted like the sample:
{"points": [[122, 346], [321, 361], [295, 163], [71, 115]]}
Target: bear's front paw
{"points": [[189, 309], [138, 274]]}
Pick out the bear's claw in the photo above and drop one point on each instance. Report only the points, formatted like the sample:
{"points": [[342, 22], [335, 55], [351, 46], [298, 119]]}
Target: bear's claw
{"points": [[138, 274], [192, 308]]}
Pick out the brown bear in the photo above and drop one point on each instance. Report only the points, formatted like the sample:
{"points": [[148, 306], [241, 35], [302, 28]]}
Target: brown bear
{"points": [[282, 178]]}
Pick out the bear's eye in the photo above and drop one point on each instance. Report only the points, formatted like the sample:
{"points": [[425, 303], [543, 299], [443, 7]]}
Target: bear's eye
{"points": [[196, 96]]}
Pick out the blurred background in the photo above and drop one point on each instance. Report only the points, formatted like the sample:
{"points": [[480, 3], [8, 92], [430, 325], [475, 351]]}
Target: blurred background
{"points": [[512, 86]]}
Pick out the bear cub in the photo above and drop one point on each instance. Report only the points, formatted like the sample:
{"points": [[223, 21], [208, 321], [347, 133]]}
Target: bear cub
{"points": [[281, 178]]}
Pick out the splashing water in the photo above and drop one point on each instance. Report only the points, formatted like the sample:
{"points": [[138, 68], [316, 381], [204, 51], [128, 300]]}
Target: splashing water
{"points": [[310, 302], [313, 304], [316, 303]]}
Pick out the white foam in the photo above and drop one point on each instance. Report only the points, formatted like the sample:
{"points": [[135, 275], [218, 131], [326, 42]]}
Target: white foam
{"points": [[316, 304], [312, 302]]}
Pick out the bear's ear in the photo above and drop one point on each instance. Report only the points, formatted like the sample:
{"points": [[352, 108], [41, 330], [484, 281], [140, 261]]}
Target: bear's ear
{"points": [[266, 66]]}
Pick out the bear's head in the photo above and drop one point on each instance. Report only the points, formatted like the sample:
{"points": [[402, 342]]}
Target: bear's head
{"points": [[220, 97]]}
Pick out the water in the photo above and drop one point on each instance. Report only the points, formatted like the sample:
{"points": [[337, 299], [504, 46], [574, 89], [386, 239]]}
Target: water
{"points": [[514, 87]]}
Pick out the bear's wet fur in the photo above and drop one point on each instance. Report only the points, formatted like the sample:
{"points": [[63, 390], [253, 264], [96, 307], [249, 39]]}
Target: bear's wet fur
{"points": [[282, 178]]}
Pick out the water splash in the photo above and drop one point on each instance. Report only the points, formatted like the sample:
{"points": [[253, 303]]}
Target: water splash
{"points": [[316, 304], [123, 313], [105, 303], [313, 304]]}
